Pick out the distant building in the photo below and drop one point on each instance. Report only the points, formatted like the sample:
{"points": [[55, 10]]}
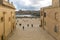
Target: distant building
{"points": [[50, 19], [28, 18], [27, 21], [34, 13], [7, 19]]}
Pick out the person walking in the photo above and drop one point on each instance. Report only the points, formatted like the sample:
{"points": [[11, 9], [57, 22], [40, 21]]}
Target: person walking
{"points": [[23, 27]]}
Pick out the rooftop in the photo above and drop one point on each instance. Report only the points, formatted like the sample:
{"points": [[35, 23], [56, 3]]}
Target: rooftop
{"points": [[7, 4]]}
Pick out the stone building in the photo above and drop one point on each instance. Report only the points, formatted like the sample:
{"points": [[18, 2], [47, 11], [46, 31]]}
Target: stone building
{"points": [[7, 19], [50, 19], [28, 12]]}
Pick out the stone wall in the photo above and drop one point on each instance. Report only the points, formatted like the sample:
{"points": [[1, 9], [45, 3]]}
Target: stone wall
{"points": [[51, 21], [7, 21]]}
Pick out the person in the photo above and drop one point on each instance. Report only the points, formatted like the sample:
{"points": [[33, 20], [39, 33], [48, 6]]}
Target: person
{"points": [[32, 25], [23, 27]]}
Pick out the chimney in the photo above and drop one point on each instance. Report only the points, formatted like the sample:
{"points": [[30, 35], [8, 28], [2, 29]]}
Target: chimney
{"points": [[8, 1], [12, 3]]}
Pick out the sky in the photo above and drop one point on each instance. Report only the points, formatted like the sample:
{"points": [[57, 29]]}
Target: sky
{"points": [[31, 4]]}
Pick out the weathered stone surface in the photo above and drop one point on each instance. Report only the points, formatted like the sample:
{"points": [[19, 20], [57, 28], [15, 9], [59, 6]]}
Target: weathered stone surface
{"points": [[29, 33]]}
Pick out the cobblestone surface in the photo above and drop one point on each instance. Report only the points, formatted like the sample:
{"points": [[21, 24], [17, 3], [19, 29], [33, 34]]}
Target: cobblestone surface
{"points": [[30, 33]]}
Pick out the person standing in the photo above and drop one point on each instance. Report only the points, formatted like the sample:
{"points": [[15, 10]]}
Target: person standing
{"points": [[23, 27]]}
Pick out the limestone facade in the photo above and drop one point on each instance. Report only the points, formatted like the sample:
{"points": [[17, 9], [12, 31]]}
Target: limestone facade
{"points": [[7, 19], [50, 19]]}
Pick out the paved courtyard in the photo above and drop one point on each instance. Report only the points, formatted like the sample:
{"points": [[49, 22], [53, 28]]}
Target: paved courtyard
{"points": [[30, 33]]}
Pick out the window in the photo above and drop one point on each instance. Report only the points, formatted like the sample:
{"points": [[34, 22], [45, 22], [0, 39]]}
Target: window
{"points": [[28, 25], [55, 29], [41, 22], [2, 19], [32, 25], [44, 14], [20, 24], [13, 26], [39, 25], [55, 15]]}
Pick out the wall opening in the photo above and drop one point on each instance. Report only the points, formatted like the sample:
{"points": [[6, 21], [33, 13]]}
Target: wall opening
{"points": [[20, 24], [44, 14], [55, 29], [2, 19], [27, 25], [32, 25], [2, 37]]}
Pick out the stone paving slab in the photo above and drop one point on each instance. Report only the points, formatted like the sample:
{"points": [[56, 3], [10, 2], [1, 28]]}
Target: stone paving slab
{"points": [[29, 33]]}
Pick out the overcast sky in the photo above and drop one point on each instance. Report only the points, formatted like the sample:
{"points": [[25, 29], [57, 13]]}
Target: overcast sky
{"points": [[30, 4]]}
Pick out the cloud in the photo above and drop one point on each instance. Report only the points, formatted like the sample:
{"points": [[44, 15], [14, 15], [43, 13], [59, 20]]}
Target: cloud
{"points": [[30, 4]]}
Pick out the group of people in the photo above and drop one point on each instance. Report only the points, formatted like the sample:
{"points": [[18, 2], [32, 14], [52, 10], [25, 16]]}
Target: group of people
{"points": [[24, 27], [32, 26]]}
